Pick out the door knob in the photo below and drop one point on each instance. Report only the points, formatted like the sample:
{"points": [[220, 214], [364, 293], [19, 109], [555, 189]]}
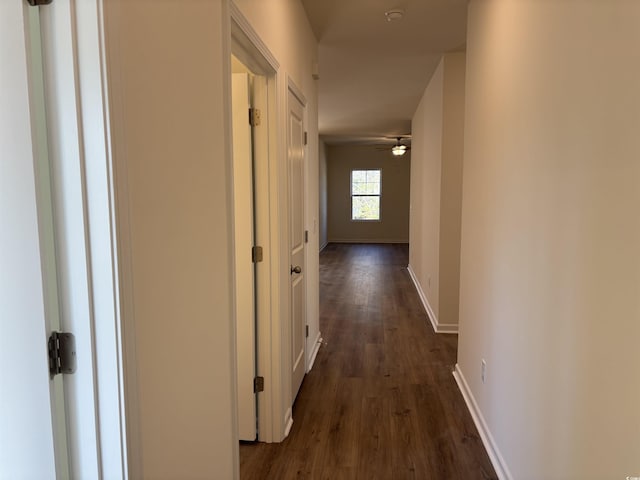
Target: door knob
{"points": [[296, 269]]}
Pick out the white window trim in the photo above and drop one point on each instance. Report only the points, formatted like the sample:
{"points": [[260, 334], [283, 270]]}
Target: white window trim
{"points": [[379, 195]]}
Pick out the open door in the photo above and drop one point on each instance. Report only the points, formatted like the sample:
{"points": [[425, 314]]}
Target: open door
{"points": [[32, 436], [244, 267], [295, 160]]}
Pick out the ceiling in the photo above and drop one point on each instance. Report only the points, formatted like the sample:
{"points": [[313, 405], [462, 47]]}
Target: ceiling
{"points": [[374, 72]]}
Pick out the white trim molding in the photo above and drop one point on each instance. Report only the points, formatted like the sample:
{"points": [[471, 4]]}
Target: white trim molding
{"points": [[88, 253], [288, 422], [250, 49], [247, 39], [497, 460], [297, 92], [314, 353], [437, 326]]}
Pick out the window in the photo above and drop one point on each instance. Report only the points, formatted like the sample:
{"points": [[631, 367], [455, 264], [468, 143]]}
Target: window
{"points": [[365, 194]]}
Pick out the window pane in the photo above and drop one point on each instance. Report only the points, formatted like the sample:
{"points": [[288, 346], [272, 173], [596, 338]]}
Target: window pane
{"points": [[359, 176], [373, 188], [365, 181], [358, 188], [373, 176], [365, 208]]}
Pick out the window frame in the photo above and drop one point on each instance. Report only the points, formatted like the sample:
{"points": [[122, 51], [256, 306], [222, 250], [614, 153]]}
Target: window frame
{"points": [[379, 194]]}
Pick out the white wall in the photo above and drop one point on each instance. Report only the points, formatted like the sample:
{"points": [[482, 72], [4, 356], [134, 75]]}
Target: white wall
{"points": [[436, 192], [426, 161], [322, 191], [393, 226], [168, 69], [550, 272], [451, 186]]}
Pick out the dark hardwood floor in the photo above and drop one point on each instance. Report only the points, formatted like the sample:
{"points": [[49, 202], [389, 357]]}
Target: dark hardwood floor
{"points": [[380, 401]]}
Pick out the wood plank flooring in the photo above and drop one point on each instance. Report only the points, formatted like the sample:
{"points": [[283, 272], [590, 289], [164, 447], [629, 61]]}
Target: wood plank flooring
{"points": [[380, 401]]}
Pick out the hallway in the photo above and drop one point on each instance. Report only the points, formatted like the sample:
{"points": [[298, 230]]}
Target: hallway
{"points": [[380, 401]]}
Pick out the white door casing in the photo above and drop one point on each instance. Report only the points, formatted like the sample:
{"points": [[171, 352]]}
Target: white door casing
{"points": [[295, 162], [276, 288], [69, 196], [244, 269], [271, 230]]}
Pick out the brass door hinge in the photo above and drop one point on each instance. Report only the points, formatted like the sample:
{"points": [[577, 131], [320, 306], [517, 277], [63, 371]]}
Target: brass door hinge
{"points": [[256, 254], [258, 384], [255, 117], [62, 353]]}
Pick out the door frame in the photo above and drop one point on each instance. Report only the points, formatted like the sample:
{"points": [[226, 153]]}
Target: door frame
{"points": [[87, 254], [274, 407]]}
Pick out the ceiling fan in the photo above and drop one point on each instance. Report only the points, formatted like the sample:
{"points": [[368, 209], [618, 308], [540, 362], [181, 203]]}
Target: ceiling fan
{"points": [[399, 148]]}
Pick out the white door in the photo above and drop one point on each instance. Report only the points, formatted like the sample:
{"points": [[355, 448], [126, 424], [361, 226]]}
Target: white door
{"points": [[29, 402], [295, 158], [244, 267]]}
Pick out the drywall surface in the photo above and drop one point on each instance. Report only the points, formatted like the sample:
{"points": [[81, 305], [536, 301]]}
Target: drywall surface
{"points": [[322, 190], [426, 171], [436, 191], [169, 74], [451, 187], [550, 266], [394, 204]]}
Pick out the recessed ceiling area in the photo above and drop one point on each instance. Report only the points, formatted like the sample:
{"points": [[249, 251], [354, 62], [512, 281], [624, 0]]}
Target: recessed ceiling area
{"points": [[373, 72]]}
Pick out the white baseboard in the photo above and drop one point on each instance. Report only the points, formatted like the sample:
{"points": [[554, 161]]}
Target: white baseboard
{"points": [[437, 326], [288, 422], [497, 460], [450, 328], [314, 352], [368, 240]]}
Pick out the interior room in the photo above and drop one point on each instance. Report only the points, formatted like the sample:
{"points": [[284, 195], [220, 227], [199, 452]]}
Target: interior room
{"points": [[320, 239]]}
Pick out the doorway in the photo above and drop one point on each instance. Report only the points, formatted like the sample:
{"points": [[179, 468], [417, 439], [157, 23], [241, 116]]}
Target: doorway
{"points": [[262, 338], [273, 232]]}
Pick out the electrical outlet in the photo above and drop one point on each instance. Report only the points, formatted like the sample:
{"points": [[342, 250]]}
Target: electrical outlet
{"points": [[484, 370]]}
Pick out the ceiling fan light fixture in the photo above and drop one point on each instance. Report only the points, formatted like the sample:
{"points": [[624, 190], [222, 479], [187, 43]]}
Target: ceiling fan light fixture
{"points": [[399, 150], [395, 14]]}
